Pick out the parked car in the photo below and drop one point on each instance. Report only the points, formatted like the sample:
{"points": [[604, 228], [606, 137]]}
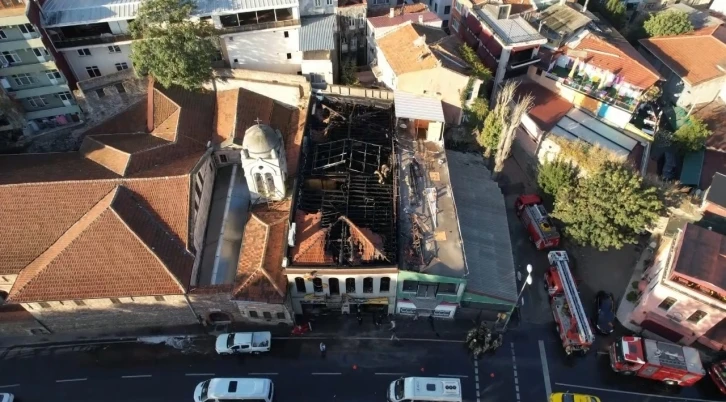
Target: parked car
{"points": [[570, 397], [605, 314], [718, 375], [243, 342], [235, 389], [4, 397]]}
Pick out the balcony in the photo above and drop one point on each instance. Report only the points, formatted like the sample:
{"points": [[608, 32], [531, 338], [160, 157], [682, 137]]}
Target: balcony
{"points": [[587, 86], [66, 43], [260, 26]]}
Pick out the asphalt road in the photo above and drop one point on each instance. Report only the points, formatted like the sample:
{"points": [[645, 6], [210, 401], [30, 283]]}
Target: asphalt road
{"points": [[530, 364]]}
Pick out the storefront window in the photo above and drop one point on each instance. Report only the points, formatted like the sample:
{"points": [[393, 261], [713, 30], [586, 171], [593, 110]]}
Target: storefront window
{"points": [[447, 288], [410, 286]]}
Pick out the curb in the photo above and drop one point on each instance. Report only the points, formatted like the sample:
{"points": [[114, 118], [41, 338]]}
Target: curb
{"points": [[99, 341]]}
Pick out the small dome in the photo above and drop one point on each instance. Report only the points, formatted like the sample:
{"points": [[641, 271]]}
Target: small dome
{"points": [[260, 139]]}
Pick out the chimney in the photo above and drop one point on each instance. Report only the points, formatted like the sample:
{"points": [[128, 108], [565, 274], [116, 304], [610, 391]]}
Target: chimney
{"points": [[391, 12], [420, 19]]}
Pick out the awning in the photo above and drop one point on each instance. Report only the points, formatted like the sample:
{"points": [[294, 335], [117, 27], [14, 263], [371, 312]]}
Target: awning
{"points": [[410, 106]]}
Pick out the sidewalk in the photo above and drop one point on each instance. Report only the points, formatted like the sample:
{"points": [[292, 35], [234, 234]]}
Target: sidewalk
{"points": [[626, 307]]}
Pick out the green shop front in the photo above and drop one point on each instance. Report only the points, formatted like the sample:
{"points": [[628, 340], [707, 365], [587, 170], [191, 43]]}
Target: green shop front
{"points": [[420, 294]]}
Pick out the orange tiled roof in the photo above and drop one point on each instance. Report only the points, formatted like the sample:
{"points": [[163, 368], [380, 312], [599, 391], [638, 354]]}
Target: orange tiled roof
{"points": [[402, 54], [311, 240], [694, 57], [259, 272], [617, 56], [239, 109], [398, 10]]}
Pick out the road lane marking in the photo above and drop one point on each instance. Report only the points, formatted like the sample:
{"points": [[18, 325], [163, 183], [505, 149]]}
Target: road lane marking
{"points": [[389, 373], [136, 376], [260, 374], [327, 373], [671, 397], [198, 374], [476, 380], [10, 386], [72, 380], [453, 375], [545, 369], [366, 338], [514, 370]]}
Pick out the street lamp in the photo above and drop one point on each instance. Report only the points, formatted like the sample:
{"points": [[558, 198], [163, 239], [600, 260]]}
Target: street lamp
{"points": [[527, 281]]}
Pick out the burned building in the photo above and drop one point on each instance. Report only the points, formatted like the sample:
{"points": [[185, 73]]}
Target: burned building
{"points": [[344, 253]]}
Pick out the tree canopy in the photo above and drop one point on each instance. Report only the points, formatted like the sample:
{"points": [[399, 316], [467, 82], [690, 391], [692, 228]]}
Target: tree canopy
{"points": [[555, 176], [668, 23], [615, 13], [170, 47], [692, 135], [477, 68], [609, 208]]}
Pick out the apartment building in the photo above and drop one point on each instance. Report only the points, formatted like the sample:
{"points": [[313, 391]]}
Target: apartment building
{"points": [[33, 77], [352, 26]]}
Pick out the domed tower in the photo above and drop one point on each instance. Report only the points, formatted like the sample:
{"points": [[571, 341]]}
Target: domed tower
{"points": [[264, 164]]}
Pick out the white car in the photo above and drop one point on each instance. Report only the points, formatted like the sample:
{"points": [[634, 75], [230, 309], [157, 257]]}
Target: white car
{"points": [[243, 342], [235, 389], [6, 397]]}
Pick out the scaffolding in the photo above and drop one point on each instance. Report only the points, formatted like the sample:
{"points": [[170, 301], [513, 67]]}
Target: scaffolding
{"points": [[349, 178]]}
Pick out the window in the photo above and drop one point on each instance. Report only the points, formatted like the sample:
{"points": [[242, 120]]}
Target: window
{"points": [[270, 183], [280, 316], [385, 285], [197, 189], [329, 2], [289, 56], [350, 285], [114, 49], [2, 33], [53, 74], [64, 96], [115, 300], [79, 302], [697, 316], [40, 51], [11, 57], [120, 88], [667, 303], [368, 285], [253, 314], [318, 3], [300, 285], [351, 22], [223, 158], [317, 285], [410, 286], [26, 28], [457, 6], [259, 184], [84, 52], [121, 66], [287, 34], [267, 315], [333, 286], [93, 71], [101, 93], [436, 7], [44, 305], [159, 298], [23, 79], [236, 60], [447, 10], [455, 24], [37, 101], [447, 288]]}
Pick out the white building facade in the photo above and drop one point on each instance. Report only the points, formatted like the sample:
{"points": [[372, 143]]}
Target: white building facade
{"points": [[263, 162]]}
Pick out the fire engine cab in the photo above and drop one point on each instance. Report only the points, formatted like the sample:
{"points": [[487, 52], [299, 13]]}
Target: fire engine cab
{"points": [[570, 318], [534, 217], [662, 361]]}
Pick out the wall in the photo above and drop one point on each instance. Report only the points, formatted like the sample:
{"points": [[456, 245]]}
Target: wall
{"points": [[355, 14], [100, 56], [388, 77], [98, 109], [321, 67], [264, 313], [202, 178], [6, 282], [102, 317], [419, 277], [308, 7], [703, 93], [264, 50], [440, 82], [439, 7], [205, 303], [293, 90]]}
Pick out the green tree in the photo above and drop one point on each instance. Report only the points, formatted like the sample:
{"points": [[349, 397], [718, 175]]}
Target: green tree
{"points": [[607, 209], [170, 47], [477, 68], [668, 23], [349, 76], [490, 132], [476, 113], [692, 135], [555, 176], [615, 13]]}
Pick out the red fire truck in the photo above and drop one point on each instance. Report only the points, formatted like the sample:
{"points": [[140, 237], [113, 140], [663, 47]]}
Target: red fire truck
{"points": [[662, 361], [535, 218], [570, 318]]}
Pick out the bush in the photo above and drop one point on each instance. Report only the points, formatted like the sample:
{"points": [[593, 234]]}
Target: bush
{"points": [[668, 23], [632, 296], [634, 285], [692, 135], [555, 176]]}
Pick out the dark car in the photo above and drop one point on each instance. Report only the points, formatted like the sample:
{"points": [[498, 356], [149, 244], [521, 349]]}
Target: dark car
{"points": [[605, 314]]}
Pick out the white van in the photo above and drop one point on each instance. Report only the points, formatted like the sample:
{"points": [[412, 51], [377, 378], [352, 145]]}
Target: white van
{"points": [[234, 389], [425, 389]]}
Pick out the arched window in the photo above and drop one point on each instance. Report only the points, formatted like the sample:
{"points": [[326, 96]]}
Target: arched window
{"points": [[300, 285], [270, 182], [350, 285], [385, 285], [317, 285], [368, 285], [333, 286], [259, 184]]}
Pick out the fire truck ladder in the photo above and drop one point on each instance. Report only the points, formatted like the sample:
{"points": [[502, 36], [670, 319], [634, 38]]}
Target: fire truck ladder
{"points": [[560, 261]]}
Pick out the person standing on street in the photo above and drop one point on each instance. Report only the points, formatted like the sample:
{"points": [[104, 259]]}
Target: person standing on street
{"points": [[322, 350], [360, 317]]}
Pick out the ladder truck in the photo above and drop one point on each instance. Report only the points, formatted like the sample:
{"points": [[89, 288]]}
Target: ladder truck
{"points": [[534, 217], [570, 318]]}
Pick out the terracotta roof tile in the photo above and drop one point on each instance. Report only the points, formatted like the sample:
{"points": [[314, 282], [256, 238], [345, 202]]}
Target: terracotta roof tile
{"points": [[112, 158], [398, 10], [131, 120], [131, 143], [403, 54], [385, 21], [76, 267], [617, 56], [310, 242], [694, 57], [519, 6], [714, 115], [226, 115], [548, 108], [260, 274]]}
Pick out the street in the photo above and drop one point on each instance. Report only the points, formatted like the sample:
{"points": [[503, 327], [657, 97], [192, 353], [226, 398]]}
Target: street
{"points": [[530, 364]]}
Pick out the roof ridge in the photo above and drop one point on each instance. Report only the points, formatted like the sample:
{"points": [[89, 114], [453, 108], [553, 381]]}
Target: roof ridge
{"points": [[650, 69], [272, 281], [122, 178], [322, 231], [262, 260], [81, 225]]}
